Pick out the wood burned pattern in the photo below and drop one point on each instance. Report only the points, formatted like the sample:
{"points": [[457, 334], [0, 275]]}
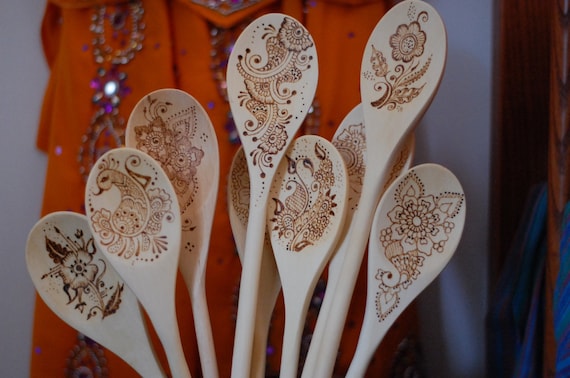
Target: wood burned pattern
{"points": [[170, 136], [79, 274], [305, 204], [400, 81], [420, 225], [267, 78], [239, 181], [351, 144], [127, 208]]}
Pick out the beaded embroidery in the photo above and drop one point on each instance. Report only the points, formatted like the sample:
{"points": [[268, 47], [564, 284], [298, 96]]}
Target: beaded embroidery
{"points": [[106, 129], [86, 359], [226, 7]]}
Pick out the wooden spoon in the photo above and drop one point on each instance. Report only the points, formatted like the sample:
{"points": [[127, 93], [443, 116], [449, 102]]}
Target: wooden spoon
{"points": [[417, 227], [134, 216], [309, 194], [269, 283], [350, 140], [174, 129], [271, 79], [77, 283], [401, 70]]}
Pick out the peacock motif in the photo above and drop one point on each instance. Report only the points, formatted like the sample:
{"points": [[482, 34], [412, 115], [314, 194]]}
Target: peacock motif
{"points": [[132, 229], [302, 217]]}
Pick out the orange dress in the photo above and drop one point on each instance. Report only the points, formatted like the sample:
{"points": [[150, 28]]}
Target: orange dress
{"points": [[145, 45]]}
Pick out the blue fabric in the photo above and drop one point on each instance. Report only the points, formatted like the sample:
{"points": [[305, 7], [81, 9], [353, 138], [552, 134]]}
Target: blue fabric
{"points": [[514, 322], [561, 301]]}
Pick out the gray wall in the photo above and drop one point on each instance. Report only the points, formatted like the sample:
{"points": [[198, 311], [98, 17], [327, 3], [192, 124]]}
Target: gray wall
{"points": [[455, 133]]}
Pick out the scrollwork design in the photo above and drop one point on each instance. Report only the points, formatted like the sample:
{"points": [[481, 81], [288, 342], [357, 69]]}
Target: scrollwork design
{"points": [[268, 91]]}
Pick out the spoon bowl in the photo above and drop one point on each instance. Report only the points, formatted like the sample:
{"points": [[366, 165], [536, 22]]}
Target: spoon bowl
{"points": [[350, 140], [75, 280], [174, 129], [271, 81], [416, 230], [309, 205], [403, 63], [134, 217]]}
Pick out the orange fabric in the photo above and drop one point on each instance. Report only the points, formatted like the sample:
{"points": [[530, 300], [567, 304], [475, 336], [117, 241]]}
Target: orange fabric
{"points": [[176, 53]]}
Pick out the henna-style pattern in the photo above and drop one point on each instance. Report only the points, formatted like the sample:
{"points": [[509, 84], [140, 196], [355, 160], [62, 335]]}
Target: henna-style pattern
{"points": [[302, 217], [79, 275], [401, 84], [170, 138], [268, 92], [421, 224], [351, 144], [133, 228]]}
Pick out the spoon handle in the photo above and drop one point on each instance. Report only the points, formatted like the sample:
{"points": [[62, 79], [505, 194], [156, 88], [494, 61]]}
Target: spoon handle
{"points": [[318, 337], [203, 329], [296, 305], [165, 324], [366, 347], [249, 288], [339, 295]]}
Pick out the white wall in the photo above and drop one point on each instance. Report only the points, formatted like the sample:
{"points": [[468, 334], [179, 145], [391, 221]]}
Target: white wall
{"points": [[455, 133], [23, 75]]}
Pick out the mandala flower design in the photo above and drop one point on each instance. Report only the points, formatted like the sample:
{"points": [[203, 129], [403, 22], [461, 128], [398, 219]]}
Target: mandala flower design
{"points": [[293, 36], [408, 42], [417, 222], [421, 224]]}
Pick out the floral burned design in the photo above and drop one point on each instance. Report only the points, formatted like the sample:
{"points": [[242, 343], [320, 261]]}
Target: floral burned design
{"points": [[131, 230], [170, 138], [400, 84], [268, 93], [420, 225], [81, 275], [351, 144], [301, 218]]}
